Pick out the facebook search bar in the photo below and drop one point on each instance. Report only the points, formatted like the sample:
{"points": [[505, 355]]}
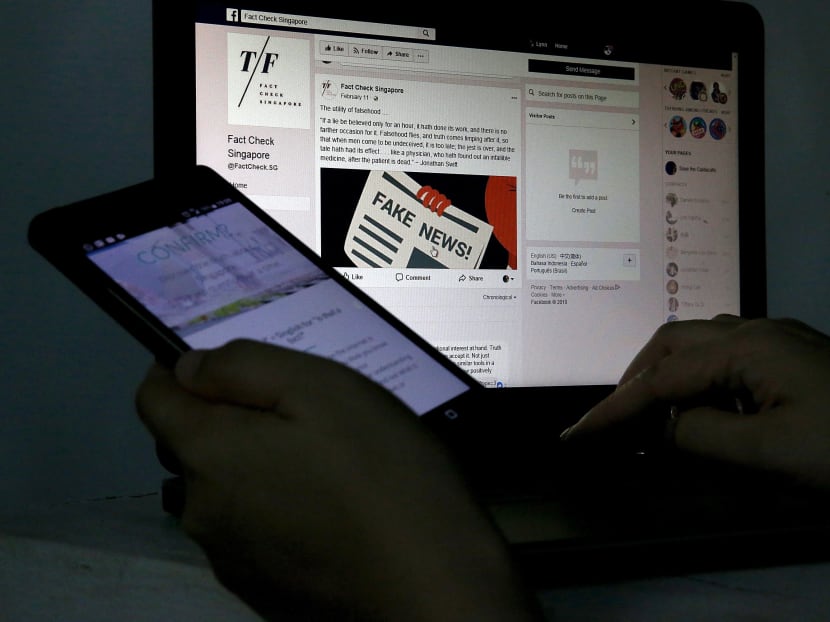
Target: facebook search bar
{"points": [[285, 20]]}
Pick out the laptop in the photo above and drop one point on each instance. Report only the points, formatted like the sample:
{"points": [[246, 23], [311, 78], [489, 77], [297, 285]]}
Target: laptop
{"points": [[535, 195]]}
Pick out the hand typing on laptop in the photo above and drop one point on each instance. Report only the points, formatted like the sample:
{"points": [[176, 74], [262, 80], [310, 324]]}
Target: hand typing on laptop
{"points": [[775, 372], [315, 492]]}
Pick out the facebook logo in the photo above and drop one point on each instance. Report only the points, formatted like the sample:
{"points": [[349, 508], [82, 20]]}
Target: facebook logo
{"points": [[232, 15]]}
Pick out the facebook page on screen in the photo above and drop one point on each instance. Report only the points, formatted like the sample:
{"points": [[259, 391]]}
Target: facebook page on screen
{"points": [[535, 216]]}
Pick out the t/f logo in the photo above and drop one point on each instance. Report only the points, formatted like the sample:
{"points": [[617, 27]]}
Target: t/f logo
{"points": [[232, 15], [268, 80], [249, 56], [252, 57]]}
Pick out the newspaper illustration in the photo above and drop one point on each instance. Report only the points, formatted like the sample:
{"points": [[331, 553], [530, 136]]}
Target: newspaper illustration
{"points": [[391, 228]]}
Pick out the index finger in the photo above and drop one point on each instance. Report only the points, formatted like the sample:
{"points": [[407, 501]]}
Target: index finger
{"points": [[675, 336], [682, 374]]}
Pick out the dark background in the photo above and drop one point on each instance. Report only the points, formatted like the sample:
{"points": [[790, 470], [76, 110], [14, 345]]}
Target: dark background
{"points": [[77, 121]]}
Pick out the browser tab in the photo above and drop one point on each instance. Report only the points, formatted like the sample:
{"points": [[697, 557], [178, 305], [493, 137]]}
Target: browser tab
{"points": [[305, 22]]}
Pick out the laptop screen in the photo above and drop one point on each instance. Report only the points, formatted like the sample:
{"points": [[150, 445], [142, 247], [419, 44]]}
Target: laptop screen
{"points": [[534, 199]]}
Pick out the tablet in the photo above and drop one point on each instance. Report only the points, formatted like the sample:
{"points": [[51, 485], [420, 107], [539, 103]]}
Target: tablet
{"points": [[193, 263]]}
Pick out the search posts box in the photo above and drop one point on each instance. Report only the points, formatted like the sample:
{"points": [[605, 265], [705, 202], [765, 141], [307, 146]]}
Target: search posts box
{"points": [[583, 96], [308, 22]]}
